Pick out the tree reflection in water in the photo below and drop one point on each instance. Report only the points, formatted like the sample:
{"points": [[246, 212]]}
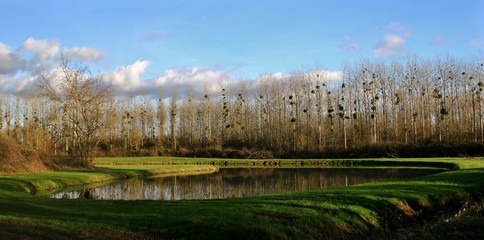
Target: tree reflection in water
{"points": [[228, 183]]}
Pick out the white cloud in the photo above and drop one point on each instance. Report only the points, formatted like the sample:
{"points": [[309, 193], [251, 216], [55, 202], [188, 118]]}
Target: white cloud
{"points": [[390, 45], [42, 49], [326, 76], [9, 62], [20, 70], [476, 42], [322, 76], [84, 54], [279, 75], [194, 79], [268, 78], [394, 40], [24, 84], [127, 79]]}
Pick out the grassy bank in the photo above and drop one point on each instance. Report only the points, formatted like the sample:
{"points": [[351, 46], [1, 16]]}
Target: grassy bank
{"points": [[349, 212], [19, 184], [447, 163]]}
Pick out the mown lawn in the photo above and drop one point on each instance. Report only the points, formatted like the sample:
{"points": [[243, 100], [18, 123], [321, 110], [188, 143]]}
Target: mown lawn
{"points": [[357, 211]]}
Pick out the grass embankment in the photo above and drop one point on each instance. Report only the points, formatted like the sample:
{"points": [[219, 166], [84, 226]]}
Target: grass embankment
{"points": [[354, 211], [32, 183], [446, 163]]}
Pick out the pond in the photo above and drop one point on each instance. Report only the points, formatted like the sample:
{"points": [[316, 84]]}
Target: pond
{"points": [[229, 183]]}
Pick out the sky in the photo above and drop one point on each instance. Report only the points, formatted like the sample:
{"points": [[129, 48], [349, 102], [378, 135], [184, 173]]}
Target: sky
{"points": [[161, 45]]}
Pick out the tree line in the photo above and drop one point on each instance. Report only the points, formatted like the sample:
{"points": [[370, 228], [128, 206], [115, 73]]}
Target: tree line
{"points": [[406, 102]]}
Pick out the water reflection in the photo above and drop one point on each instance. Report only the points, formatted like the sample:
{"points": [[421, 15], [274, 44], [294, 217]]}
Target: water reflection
{"points": [[229, 183]]}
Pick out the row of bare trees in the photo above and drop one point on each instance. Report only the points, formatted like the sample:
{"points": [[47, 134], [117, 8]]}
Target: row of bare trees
{"points": [[412, 101]]}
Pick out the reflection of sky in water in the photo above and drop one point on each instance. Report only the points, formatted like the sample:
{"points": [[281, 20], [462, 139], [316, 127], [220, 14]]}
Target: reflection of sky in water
{"points": [[229, 183]]}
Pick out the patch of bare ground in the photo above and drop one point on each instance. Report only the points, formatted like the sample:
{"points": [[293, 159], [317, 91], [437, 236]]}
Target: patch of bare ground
{"points": [[406, 209], [463, 220]]}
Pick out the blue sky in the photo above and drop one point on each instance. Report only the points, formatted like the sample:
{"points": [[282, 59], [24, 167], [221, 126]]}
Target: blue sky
{"points": [[169, 44]]}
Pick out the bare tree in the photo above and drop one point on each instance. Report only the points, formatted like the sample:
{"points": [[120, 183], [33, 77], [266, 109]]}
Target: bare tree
{"points": [[161, 117], [414, 101], [83, 98], [173, 119], [1, 112]]}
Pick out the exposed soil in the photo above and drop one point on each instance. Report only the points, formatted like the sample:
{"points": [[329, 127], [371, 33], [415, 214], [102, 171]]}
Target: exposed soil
{"points": [[464, 220]]}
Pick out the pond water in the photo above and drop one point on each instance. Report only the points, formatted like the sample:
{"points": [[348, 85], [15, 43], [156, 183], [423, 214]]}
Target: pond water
{"points": [[228, 183]]}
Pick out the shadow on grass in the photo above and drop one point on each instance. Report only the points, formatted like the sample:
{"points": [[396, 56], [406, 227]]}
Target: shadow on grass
{"points": [[390, 163]]}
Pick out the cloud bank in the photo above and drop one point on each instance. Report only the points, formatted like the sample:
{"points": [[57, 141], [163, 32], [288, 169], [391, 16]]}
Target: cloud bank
{"points": [[9, 61], [127, 80], [20, 71]]}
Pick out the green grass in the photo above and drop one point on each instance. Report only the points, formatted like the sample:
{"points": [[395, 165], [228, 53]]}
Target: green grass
{"points": [[34, 182], [354, 211], [449, 163]]}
